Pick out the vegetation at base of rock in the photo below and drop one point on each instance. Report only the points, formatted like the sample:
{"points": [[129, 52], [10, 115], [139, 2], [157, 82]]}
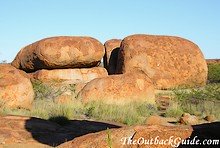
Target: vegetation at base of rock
{"points": [[131, 113], [50, 91], [201, 101], [214, 73]]}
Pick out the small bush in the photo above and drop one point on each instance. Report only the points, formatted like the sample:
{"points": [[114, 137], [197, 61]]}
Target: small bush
{"points": [[198, 101], [41, 90], [214, 73], [174, 110]]}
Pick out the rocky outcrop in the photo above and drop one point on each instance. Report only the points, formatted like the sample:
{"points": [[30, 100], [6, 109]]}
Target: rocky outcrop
{"points": [[119, 89], [60, 52], [168, 61], [82, 75], [111, 54], [16, 90], [135, 137]]}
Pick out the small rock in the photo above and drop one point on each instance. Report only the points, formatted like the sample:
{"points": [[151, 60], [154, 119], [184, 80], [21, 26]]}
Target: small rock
{"points": [[210, 118], [189, 119], [158, 120]]}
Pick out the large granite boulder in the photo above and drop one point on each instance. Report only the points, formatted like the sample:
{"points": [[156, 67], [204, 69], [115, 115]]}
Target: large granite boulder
{"points": [[168, 61], [111, 54], [60, 52], [119, 89], [16, 90]]}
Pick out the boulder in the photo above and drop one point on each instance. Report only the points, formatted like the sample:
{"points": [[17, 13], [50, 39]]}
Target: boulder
{"points": [[169, 61], [189, 119], [60, 52], [111, 54], [16, 90], [135, 137], [158, 120], [210, 118], [73, 76], [119, 89]]}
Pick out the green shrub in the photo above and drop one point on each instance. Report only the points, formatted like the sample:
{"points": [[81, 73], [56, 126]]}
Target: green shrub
{"points": [[174, 110], [41, 90], [214, 73]]}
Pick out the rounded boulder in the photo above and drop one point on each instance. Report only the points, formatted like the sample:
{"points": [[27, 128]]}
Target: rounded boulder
{"points": [[16, 90], [119, 89], [59, 53], [169, 61]]}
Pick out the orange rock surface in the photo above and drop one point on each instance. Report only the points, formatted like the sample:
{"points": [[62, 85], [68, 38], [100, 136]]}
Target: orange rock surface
{"points": [[16, 90], [60, 52], [168, 61]]}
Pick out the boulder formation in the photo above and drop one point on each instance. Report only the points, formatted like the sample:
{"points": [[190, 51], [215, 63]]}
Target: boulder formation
{"points": [[169, 61], [111, 54], [16, 90], [119, 89], [60, 52]]}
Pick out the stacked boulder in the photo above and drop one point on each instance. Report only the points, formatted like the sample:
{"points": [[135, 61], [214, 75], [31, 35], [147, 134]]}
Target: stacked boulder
{"points": [[136, 65], [60, 53], [74, 60], [64, 59]]}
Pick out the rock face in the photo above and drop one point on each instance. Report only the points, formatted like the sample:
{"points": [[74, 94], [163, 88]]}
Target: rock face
{"points": [[111, 54], [168, 61], [82, 75], [119, 138], [16, 90], [119, 89], [60, 52]]}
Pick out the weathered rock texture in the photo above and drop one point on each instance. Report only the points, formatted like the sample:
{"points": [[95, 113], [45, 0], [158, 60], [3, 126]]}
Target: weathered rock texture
{"points": [[82, 75], [168, 61], [111, 54], [16, 90], [119, 89], [116, 137], [60, 52]]}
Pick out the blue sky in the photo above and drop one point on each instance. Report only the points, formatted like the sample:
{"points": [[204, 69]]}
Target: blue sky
{"points": [[25, 21]]}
